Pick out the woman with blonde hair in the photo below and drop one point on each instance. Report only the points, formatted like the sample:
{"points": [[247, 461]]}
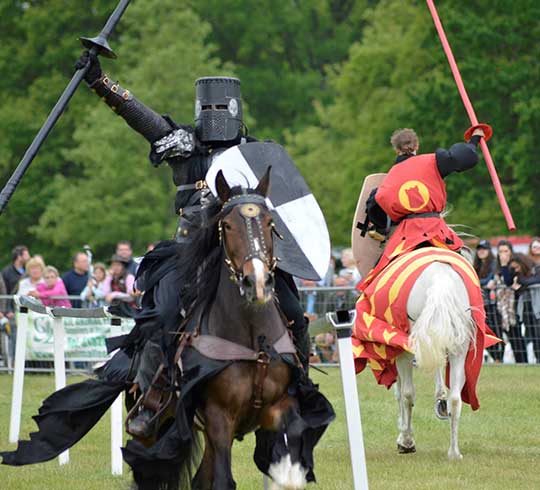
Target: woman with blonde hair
{"points": [[34, 276]]}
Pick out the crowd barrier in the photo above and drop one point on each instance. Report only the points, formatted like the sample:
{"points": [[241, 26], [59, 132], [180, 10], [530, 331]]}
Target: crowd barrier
{"points": [[24, 305], [317, 302]]}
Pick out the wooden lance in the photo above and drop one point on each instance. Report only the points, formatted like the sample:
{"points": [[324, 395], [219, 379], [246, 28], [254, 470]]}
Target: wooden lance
{"points": [[472, 116], [97, 46]]}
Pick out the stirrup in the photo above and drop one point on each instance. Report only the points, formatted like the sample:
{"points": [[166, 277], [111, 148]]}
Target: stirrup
{"points": [[156, 399]]}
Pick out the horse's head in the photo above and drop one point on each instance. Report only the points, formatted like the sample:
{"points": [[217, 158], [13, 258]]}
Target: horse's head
{"points": [[245, 230]]}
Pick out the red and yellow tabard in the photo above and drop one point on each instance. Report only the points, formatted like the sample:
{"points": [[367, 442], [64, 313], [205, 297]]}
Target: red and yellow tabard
{"points": [[413, 186], [381, 332]]}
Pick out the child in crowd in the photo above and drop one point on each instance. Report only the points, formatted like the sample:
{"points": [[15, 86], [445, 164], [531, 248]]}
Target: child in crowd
{"points": [[53, 286], [93, 294]]}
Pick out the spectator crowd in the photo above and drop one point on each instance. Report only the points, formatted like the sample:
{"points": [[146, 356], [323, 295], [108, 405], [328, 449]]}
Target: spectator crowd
{"points": [[510, 284], [84, 285], [511, 290]]}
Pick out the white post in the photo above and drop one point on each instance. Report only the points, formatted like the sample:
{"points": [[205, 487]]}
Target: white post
{"points": [[116, 436], [60, 367], [350, 394], [117, 427], [18, 375]]}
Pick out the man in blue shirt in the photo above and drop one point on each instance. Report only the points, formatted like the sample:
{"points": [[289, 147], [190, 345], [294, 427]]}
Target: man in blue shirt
{"points": [[76, 279]]}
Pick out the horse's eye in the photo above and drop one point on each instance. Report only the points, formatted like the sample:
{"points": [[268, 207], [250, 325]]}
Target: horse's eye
{"points": [[227, 226]]}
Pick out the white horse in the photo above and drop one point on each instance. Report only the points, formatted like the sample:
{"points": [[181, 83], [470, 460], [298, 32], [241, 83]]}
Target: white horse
{"points": [[442, 328]]}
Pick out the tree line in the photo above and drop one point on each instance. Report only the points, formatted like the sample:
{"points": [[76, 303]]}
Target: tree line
{"points": [[328, 79]]}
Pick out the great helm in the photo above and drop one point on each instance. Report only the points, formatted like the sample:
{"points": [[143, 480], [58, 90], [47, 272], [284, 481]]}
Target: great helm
{"points": [[218, 109]]}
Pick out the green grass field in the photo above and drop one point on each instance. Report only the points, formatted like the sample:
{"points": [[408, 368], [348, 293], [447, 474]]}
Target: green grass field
{"points": [[500, 442]]}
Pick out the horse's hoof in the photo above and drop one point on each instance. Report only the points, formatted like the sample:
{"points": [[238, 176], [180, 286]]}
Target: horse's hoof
{"points": [[455, 457], [405, 450], [441, 409]]}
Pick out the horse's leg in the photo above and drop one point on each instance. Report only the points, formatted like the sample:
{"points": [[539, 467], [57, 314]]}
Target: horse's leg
{"points": [[457, 380], [406, 393], [220, 432], [204, 477], [441, 405]]}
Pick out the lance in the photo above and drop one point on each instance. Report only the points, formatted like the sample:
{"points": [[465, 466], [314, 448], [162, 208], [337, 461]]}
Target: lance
{"points": [[472, 116], [97, 46]]}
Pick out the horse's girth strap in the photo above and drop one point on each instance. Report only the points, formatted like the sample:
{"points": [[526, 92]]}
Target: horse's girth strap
{"points": [[263, 360]]}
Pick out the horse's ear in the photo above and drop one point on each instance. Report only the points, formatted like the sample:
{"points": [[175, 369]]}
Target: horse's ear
{"points": [[264, 183], [222, 188]]}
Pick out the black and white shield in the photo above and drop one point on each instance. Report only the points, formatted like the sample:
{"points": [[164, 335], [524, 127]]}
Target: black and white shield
{"points": [[305, 248]]}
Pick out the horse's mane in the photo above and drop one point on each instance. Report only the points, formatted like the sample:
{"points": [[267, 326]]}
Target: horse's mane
{"points": [[200, 263]]}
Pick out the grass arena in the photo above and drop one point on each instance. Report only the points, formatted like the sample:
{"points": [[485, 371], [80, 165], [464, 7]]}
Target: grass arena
{"points": [[499, 442]]}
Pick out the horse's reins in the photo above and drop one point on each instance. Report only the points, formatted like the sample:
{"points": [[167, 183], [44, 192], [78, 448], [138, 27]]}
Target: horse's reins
{"points": [[257, 246]]}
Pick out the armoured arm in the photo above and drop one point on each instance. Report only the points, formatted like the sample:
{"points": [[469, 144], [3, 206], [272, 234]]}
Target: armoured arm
{"points": [[141, 118], [458, 158]]}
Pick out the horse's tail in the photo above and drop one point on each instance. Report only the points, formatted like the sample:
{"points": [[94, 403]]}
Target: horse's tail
{"points": [[172, 475], [445, 324]]}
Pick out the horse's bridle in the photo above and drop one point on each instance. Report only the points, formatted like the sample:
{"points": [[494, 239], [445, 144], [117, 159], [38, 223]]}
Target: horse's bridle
{"points": [[251, 209]]}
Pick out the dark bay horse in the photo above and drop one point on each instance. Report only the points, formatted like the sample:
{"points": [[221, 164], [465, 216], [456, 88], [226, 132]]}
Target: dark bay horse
{"points": [[236, 321], [231, 368]]}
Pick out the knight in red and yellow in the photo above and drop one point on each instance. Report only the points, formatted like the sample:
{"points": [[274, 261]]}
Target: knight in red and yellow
{"points": [[412, 197]]}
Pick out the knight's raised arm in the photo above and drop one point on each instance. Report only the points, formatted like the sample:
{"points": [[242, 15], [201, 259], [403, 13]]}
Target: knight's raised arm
{"points": [[458, 158], [140, 117]]}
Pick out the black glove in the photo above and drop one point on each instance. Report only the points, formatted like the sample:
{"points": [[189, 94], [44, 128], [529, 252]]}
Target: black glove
{"points": [[94, 70]]}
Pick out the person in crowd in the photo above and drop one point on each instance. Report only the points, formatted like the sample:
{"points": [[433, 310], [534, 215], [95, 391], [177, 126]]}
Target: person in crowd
{"points": [[92, 295], [123, 249], [120, 283], [151, 246], [311, 297], [534, 251], [485, 266], [5, 327], [326, 347], [51, 288], [504, 279], [527, 286], [34, 275], [349, 271], [76, 279], [13, 272], [11, 275]]}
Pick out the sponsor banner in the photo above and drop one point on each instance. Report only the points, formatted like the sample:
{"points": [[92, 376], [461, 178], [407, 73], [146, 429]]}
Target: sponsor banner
{"points": [[84, 339]]}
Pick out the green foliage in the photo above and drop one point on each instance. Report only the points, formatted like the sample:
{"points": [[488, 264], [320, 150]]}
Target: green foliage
{"points": [[398, 76], [282, 50], [39, 48], [332, 78], [92, 182], [120, 195]]}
